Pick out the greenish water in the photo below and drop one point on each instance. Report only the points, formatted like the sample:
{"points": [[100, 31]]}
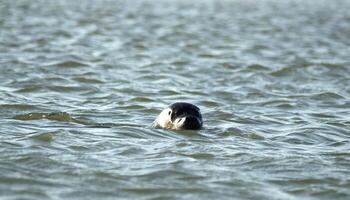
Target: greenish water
{"points": [[82, 81]]}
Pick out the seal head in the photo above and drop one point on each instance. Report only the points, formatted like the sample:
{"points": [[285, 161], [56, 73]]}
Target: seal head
{"points": [[180, 116]]}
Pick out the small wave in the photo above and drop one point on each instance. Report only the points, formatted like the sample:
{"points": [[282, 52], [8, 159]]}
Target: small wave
{"points": [[332, 66], [284, 71], [200, 156], [287, 70], [180, 63], [17, 106], [82, 79], [327, 96], [29, 89], [311, 68], [44, 137], [141, 99], [57, 88], [210, 104], [168, 92], [281, 103], [311, 136], [257, 67], [235, 132], [208, 55], [56, 116], [69, 64]]}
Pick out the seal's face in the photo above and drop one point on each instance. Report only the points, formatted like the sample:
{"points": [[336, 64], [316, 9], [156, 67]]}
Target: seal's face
{"points": [[180, 116]]}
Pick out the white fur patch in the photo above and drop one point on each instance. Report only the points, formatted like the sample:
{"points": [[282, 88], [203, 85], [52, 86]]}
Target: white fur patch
{"points": [[164, 119]]}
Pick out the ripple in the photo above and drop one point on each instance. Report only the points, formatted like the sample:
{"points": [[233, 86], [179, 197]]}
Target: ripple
{"points": [[284, 71], [17, 106], [88, 80], [57, 88], [30, 89], [68, 64], [310, 136], [45, 137], [237, 132], [200, 156], [327, 96], [56, 116], [141, 99]]}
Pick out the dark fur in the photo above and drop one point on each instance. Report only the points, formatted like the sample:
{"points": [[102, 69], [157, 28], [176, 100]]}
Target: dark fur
{"points": [[190, 111]]}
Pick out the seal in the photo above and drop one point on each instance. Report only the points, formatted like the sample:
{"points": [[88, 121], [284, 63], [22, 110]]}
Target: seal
{"points": [[179, 116]]}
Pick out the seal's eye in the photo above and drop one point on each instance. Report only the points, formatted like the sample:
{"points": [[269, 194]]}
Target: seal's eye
{"points": [[169, 112]]}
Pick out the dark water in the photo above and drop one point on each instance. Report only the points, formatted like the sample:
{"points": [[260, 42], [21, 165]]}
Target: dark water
{"points": [[81, 82]]}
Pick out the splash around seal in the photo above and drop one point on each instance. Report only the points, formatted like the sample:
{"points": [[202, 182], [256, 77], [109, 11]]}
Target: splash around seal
{"points": [[179, 116]]}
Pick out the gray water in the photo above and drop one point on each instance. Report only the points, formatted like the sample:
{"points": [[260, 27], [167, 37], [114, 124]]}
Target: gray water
{"points": [[82, 81]]}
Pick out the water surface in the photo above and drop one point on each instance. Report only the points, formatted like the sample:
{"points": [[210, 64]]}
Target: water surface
{"points": [[81, 82]]}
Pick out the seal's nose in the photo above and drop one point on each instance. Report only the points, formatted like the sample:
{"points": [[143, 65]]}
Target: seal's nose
{"points": [[192, 123]]}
